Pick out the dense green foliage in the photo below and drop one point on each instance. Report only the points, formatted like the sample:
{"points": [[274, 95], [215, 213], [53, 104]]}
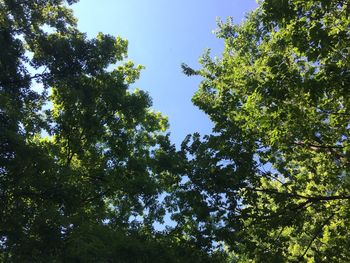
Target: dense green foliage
{"points": [[86, 168], [272, 181], [81, 157]]}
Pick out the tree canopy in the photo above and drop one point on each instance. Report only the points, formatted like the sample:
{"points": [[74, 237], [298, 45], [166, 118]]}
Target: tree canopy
{"points": [[272, 181], [87, 168], [81, 157]]}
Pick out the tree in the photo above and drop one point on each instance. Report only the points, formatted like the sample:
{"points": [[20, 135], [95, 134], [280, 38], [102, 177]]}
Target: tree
{"points": [[271, 184], [82, 157]]}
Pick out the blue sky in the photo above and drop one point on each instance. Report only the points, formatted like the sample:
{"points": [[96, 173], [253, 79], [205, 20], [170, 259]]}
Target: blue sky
{"points": [[162, 34]]}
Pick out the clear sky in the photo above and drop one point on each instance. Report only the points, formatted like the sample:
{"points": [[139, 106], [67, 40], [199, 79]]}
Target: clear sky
{"points": [[162, 34]]}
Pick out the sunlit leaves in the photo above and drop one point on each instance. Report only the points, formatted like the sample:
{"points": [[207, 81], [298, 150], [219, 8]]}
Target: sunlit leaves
{"points": [[280, 111]]}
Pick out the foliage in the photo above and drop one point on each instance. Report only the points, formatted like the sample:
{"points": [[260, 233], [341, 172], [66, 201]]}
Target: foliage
{"points": [[86, 169], [82, 157], [271, 184]]}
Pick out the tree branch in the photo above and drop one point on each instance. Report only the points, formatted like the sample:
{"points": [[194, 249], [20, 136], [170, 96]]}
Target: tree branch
{"points": [[299, 196], [318, 232]]}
